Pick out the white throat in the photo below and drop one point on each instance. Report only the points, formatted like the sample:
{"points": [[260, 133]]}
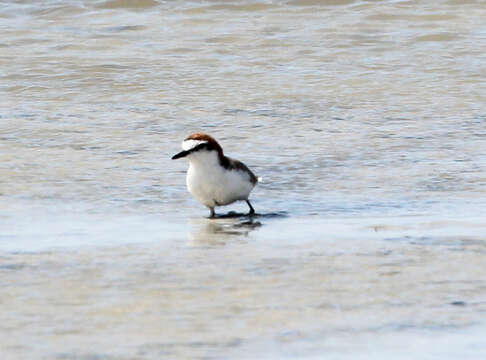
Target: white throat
{"points": [[204, 159]]}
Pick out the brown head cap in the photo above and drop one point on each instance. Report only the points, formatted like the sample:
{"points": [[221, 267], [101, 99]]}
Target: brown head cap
{"points": [[205, 137]]}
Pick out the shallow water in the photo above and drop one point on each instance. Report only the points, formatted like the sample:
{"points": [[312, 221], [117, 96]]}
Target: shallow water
{"points": [[365, 119]]}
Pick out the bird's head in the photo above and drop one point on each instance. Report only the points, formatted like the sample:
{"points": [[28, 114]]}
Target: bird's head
{"points": [[198, 143]]}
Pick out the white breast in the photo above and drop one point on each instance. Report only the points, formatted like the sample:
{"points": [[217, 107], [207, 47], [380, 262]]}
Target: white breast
{"points": [[213, 185]]}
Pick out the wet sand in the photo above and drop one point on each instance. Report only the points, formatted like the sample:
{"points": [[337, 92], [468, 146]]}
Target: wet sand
{"points": [[277, 287]]}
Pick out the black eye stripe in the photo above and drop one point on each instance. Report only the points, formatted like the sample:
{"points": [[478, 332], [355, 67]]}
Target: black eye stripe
{"points": [[206, 146]]}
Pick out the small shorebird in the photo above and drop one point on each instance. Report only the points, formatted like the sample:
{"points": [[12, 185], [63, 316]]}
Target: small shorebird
{"points": [[214, 179]]}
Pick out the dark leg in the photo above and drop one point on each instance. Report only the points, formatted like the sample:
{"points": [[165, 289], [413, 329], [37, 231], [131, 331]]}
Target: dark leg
{"points": [[212, 214], [252, 211]]}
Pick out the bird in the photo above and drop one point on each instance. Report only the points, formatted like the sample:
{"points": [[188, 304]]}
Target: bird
{"points": [[213, 178]]}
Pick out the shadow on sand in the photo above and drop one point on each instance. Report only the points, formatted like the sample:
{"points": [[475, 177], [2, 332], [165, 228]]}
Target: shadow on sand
{"points": [[235, 215]]}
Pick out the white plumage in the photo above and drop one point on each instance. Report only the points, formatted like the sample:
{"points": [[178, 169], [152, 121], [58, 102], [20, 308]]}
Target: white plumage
{"points": [[191, 144], [214, 179], [213, 185]]}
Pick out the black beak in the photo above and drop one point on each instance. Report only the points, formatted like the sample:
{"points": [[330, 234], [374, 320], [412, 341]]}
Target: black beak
{"points": [[180, 155]]}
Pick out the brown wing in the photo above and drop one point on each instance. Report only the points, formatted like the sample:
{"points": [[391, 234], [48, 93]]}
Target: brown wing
{"points": [[233, 164]]}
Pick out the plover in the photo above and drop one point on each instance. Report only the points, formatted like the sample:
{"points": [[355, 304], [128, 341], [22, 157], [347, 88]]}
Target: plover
{"points": [[213, 178]]}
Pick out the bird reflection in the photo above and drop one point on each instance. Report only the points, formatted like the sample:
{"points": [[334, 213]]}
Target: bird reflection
{"points": [[220, 230]]}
